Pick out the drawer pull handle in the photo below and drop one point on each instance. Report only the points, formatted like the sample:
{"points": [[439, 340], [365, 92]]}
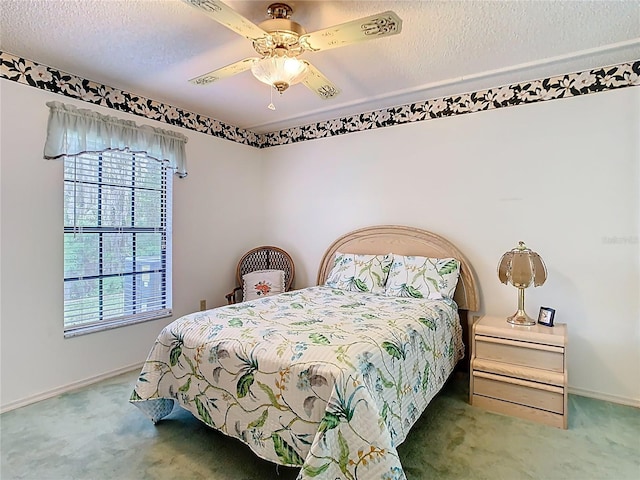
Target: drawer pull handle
{"points": [[515, 343], [517, 381], [535, 375]]}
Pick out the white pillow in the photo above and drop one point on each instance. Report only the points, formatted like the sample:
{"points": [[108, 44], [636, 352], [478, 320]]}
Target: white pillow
{"points": [[422, 277], [262, 283], [359, 273]]}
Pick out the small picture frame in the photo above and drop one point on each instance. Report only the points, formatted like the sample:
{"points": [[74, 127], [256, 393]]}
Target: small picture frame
{"points": [[545, 317]]}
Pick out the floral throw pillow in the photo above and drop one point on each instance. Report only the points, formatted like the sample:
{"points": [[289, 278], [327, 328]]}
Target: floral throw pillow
{"points": [[422, 277], [359, 273], [262, 283]]}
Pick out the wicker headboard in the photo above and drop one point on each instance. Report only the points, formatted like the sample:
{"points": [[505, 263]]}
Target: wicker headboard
{"points": [[405, 241]]}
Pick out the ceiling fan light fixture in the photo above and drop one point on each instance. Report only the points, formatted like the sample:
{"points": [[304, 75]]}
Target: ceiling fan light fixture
{"points": [[279, 71], [279, 41]]}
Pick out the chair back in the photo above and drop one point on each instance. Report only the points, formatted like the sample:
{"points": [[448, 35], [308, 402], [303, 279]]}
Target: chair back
{"points": [[265, 258]]}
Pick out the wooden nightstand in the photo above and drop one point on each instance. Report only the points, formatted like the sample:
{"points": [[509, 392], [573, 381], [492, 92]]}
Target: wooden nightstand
{"points": [[520, 371]]}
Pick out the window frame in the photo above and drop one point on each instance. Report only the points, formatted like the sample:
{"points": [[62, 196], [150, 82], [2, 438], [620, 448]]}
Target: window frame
{"points": [[139, 314]]}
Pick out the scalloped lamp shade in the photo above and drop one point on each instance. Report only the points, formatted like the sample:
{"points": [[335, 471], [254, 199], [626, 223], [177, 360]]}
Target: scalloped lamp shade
{"points": [[279, 71], [520, 267]]}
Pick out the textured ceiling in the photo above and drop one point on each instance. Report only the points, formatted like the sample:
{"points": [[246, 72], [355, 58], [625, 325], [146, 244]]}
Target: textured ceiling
{"points": [[152, 47]]}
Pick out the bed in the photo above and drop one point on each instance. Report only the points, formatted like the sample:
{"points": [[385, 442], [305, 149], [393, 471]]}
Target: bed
{"points": [[326, 379]]}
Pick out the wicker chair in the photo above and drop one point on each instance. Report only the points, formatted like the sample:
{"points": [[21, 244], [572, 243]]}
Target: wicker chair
{"points": [[262, 258]]}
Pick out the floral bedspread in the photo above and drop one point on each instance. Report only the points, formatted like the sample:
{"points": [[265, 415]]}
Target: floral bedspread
{"points": [[324, 379]]}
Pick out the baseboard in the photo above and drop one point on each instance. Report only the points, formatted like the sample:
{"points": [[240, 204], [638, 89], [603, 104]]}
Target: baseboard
{"points": [[67, 388], [114, 373], [605, 396]]}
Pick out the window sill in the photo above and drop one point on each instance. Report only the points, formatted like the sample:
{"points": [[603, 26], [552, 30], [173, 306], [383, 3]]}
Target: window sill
{"points": [[79, 330]]}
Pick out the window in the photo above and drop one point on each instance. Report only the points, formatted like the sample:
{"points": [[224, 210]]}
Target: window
{"points": [[118, 178], [117, 240]]}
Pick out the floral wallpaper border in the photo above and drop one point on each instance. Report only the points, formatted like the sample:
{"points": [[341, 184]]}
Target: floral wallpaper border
{"points": [[596, 80], [46, 78]]}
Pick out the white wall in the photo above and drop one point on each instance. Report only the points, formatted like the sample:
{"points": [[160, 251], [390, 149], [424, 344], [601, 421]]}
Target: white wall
{"points": [[563, 176], [214, 222]]}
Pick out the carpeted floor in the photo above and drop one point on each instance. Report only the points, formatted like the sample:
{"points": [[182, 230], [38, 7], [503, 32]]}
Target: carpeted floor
{"points": [[95, 434]]}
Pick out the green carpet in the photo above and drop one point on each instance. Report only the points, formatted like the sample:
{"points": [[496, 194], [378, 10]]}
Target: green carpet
{"points": [[94, 433]]}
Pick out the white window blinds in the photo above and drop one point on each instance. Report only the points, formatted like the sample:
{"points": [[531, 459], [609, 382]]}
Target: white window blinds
{"points": [[117, 240]]}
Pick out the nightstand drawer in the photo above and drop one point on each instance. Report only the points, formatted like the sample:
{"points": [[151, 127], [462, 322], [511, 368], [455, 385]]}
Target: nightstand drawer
{"points": [[548, 357], [518, 391]]}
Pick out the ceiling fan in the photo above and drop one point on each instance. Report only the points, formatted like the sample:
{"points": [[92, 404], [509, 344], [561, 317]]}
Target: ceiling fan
{"points": [[279, 42]]}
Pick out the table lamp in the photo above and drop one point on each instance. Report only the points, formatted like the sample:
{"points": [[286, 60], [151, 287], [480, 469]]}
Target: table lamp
{"points": [[521, 266]]}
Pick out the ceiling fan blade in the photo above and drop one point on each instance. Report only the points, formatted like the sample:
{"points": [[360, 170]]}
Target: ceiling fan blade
{"points": [[228, 17], [376, 26], [229, 70], [320, 84]]}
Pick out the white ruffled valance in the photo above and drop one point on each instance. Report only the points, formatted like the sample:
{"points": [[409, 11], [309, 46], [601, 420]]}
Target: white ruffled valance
{"points": [[74, 131]]}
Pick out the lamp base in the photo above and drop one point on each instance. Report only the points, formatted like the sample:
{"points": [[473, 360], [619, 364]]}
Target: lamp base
{"points": [[521, 318]]}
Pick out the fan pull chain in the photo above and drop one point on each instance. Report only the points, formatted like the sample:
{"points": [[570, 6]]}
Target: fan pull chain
{"points": [[271, 106]]}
